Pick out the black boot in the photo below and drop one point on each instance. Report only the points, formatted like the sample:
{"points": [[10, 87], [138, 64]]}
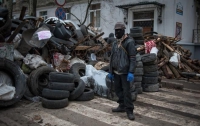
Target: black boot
{"points": [[118, 109], [131, 116]]}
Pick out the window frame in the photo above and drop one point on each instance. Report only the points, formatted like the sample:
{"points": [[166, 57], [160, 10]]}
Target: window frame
{"points": [[43, 16], [95, 13]]}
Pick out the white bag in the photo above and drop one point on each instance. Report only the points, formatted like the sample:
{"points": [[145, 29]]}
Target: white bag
{"points": [[174, 60], [34, 61], [154, 50], [7, 91]]}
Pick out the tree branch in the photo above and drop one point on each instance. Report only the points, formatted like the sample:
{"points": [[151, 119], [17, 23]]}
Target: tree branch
{"points": [[89, 3], [76, 17]]}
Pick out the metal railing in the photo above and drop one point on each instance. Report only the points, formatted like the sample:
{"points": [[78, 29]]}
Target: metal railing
{"points": [[196, 36]]}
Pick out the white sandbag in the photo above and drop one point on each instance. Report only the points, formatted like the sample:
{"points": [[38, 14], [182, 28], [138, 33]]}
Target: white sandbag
{"points": [[174, 60], [5, 79], [6, 92], [34, 61], [154, 50]]}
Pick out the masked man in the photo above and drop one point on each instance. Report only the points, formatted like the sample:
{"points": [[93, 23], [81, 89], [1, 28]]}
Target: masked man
{"points": [[122, 66]]}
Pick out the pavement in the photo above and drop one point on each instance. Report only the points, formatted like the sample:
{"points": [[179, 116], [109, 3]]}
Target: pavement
{"points": [[182, 84], [168, 107]]}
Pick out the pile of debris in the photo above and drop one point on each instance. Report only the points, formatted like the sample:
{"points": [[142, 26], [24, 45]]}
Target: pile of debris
{"points": [[38, 50], [172, 59]]}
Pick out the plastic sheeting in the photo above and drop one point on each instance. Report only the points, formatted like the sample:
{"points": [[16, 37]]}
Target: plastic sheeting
{"points": [[99, 77], [7, 91]]}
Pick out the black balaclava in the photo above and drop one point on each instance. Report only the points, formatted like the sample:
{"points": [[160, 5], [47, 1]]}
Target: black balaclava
{"points": [[119, 33]]}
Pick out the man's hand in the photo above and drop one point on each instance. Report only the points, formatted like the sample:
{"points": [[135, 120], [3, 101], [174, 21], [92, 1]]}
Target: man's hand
{"points": [[110, 76], [130, 77]]}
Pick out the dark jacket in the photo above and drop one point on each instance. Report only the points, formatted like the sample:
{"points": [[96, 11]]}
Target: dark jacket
{"points": [[111, 38], [123, 60]]}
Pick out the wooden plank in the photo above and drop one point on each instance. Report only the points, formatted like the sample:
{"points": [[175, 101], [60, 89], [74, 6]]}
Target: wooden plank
{"points": [[87, 47]]}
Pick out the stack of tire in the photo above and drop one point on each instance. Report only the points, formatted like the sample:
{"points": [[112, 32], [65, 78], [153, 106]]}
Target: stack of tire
{"points": [[150, 77], [81, 91], [137, 34], [56, 88], [138, 74], [56, 94]]}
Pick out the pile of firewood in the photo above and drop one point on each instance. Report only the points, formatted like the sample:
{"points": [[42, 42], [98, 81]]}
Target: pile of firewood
{"points": [[166, 47]]}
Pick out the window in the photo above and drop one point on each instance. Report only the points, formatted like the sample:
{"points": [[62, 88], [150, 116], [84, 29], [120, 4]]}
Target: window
{"points": [[43, 14], [144, 19], [95, 14], [68, 13], [14, 1]]}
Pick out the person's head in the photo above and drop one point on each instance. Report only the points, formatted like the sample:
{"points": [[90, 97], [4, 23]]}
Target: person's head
{"points": [[111, 35], [119, 30]]}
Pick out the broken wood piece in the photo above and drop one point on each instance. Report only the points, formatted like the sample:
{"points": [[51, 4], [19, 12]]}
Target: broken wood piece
{"points": [[190, 65], [104, 48], [141, 48], [164, 69], [162, 63], [174, 71], [17, 30], [82, 40], [171, 49], [97, 36], [187, 68], [161, 60]]}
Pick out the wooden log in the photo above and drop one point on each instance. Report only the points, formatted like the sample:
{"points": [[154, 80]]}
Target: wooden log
{"points": [[166, 53], [82, 40], [182, 49], [97, 36], [164, 69], [162, 63], [22, 13], [140, 48], [168, 47], [169, 71], [190, 65], [186, 67], [161, 60], [174, 71], [180, 65], [171, 49], [198, 63], [104, 48]]}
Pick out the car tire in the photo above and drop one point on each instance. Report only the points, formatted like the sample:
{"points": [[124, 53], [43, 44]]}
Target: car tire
{"points": [[19, 80]]}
